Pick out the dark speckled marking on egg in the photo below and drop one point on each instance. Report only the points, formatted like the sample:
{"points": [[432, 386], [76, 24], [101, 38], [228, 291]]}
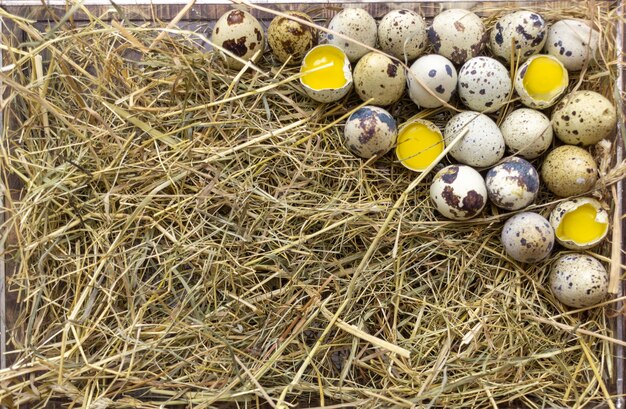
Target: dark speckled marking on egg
{"points": [[567, 40], [458, 192], [527, 237], [239, 33], [484, 84], [370, 131], [512, 185], [402, 33], [579, 280], [524, 30], [457, 34]]}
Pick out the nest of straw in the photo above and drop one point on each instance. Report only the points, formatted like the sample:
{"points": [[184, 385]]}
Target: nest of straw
{"points": [[188, 235]]}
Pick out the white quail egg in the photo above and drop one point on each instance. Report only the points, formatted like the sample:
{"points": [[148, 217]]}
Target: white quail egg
{"points": [[241, 34], [431, 81], [327, 75], [579, 280], [357, 24], [569, 170], [528, 133], [458, 192], [457, 34], [379, 77], [513, 184], [523, 31], [573, 42], [289, 39], [402, 33], [540, 81], [527, 237], [370, 131], [481, 146], [484, 84], [580, 223]]}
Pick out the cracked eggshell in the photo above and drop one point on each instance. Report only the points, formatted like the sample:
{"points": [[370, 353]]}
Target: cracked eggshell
{"points": [[458, 192], [569, 170], [579, 280], [484, 84], [437, 74], [289, 38], [326, 95], [370, 131], [457, 34], [402, 33], [527, 132], [378, 76], [527, 237], [523, 94], [562, 209], [513, 184], [357, 24], [584, 118], [238, 32], [482, 145], [572, 42], [525, 30]]}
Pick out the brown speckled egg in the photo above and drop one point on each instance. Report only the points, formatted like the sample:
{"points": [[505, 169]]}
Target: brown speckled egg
{"points": [[458, 192], [484, 84], [240, 33], [584, 118], [573, 42], [288, 38], [378, 76], [513, 184], [524, 30], [355, 23], [569, 170], [527, 237], [402, 33], [370, 131], [457, 34], [528, 133], [579, 280]]}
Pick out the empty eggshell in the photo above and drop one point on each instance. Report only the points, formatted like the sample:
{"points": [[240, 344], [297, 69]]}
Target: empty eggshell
{"points": [[527, 237], [569, 170], [457, 34], [289, 39], [402, 33], [482, 145], [357, 24], [523, 30], [527, 132], [573, 42], [431, 81], [238, 32], [370, 131], [379, 77], [512, 184], [484, 84], [458, 192], [579, 280]]}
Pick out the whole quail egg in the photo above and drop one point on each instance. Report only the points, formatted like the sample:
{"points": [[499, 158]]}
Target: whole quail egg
{"points": [[370, 131], [457, 34], [379, 77], [289, 39], [458, 192], [540, 81], [481, 146], [419, 143], [431, 81], [579, 280], [484, 84], [239, 33], [573, 42], [528, 133], [357, 24], [402, 33], [527, 237], [523, 30], [580, 223], [584, 118], [327, 75], [569, 170], [513, 184]]}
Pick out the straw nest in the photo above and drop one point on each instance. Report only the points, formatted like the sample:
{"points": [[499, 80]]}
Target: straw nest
{"points": [[189, 235]]}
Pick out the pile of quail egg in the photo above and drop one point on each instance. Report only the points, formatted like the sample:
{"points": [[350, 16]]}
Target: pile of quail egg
{"points": [[455, 62]]}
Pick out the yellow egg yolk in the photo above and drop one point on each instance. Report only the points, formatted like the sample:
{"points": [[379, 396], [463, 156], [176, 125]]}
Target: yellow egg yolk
{"points": [[580, 225], [323, 68], [543, 78], [418, 146]]}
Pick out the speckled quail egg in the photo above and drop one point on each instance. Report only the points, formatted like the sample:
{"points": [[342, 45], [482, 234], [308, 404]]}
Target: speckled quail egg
{"points": [[573, 42], [357, 24], [527, 237], [580, 223], [402, 33], [457, 34], [370, 131], [579, 280], [481, 146], [327, 73], [458, 192], [569, 170], [540, 81], [420, 143], [528, 133], [584, 118], [378, 76], [512, 184], [289, 39], [431, 81], [484, 84], [241, 34], [524, 30]]}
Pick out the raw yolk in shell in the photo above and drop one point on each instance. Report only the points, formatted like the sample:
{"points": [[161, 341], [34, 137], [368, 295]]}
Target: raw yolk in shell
{"points": [[580, 225], [543, 78], [418, 146], [323, 68]]}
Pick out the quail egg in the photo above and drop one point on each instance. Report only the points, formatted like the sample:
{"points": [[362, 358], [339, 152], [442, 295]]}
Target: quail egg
{"points": [[370, 131], [402, 33], [289, 39], [419, 143], [528, 133], [579, 280], [540, 81], [584, 118], [573, 42], [457, 34], [357, 24], [327, 75], [513, 184], [527, 237], [569, 170], [484, 84], [580, 223], [522, 31], [239, 33], [379, 77], [458, 192], [481, 146], [431, 81]]}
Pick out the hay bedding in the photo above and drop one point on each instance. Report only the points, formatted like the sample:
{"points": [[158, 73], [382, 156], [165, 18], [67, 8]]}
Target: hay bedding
{"points": [[189, 235]]}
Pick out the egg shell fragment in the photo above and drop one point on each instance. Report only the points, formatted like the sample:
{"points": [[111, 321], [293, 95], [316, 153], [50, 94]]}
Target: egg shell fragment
{"points": [[357, 24], [240, 33], [526, 98], [523, 30], [326, 95], [402, 33], [513, 184], [560, 212], [370, 131], [482, 145], [527, 237], [569, 171], [431, 80], [457, 34], [458, 192], [290, 40], [378, 76], [484, 84], [573, 42], [579, 280], [584, 118], [527, 132]]}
